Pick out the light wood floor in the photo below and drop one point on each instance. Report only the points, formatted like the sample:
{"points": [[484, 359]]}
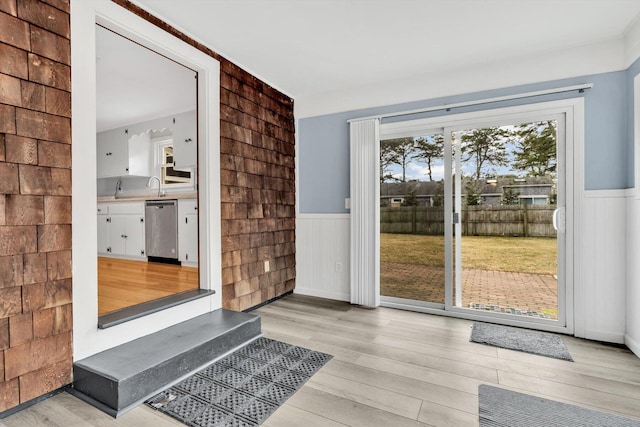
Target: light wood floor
{"points": [[123, 283], [397, 368]]}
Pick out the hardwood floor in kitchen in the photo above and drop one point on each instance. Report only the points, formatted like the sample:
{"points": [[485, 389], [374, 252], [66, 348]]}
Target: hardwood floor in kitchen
{"points": [[397, 368], [123, 283]]}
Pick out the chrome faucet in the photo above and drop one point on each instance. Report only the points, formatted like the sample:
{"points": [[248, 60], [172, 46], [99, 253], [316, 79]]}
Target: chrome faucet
{"points": [[118, 188], [160, 190]]}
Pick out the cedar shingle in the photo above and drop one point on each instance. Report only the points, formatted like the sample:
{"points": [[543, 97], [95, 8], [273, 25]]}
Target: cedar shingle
{"points": [[43, 126], [13, 61], [9, 394], [54, 154], [36, 355], [58, 102], [19, 149], [33, 96], [37, 383], [10, 301], [48, 72], [44, 16], [24, 210], [20, 329], [44, 180], [54, 237], [50, 45], [35, 268], [7, 119], [46, 295], [14, 31], [10, 90], [17, 240], [11, 271], [57, 210], [9, 6]]}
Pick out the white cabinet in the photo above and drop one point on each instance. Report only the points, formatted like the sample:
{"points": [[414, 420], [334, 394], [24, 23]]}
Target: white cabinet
{"points": [[111, 153], [120, 153], [185, 140], [103, 217], [188, 231], [121, 229]]}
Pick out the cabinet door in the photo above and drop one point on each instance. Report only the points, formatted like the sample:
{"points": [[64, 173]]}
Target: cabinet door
{"points": [[188, 230], [103, 241], [134, 235], [111, 153], [185, 141], [116, 232]]}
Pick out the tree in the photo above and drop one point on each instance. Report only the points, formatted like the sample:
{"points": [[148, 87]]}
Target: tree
{"points": [[535, 150], [388, 157], [402, 150], [438, 197], [428, 149], [410, 198], [485, 147], [472, 194], [510, 197]]}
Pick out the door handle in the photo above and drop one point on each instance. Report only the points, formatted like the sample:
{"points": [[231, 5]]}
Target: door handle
{"points": [[559, 219]]}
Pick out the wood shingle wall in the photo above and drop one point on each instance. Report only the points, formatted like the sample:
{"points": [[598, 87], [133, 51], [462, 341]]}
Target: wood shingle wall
{"points": [[35, 199], [258, 182]]}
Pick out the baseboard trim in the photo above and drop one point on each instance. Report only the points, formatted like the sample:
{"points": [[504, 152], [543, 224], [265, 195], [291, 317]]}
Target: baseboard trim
{"points": [[632, 344], [255, 307], [29, 403], [604, 336], [338, 296]]}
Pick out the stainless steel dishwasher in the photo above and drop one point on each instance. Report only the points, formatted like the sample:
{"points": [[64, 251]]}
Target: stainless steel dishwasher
{"points": [[161, 230]]}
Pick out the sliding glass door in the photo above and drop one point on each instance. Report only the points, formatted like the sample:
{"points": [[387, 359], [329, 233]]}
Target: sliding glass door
{"points": [[473, 216]]}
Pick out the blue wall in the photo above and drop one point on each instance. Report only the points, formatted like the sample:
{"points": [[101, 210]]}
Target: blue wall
{"points": [[323, 149]]}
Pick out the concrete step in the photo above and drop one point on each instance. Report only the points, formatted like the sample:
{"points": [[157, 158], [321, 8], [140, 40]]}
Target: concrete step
{"points": [[120, 378]]}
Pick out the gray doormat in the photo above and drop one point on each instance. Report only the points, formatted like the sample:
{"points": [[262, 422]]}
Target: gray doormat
{"points": [[520, 339], [504, 408], [242, 389]]}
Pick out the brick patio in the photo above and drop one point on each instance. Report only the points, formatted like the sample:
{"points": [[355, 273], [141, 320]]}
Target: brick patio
{"points": [[508, 290]]}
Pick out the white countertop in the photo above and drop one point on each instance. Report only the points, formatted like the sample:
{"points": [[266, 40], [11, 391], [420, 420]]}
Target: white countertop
{"points": [[153, 196]]}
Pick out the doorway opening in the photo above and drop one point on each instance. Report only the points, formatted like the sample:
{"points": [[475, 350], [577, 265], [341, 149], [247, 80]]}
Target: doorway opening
{"points": [[147, 181]]}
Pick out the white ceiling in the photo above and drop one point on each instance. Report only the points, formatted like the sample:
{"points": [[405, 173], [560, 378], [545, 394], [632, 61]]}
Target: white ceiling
{"points": [[134, 84], [308, 48]]}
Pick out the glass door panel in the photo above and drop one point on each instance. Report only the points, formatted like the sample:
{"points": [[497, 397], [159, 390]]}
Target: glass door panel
{"points": [[412, 218], [506, 191]]}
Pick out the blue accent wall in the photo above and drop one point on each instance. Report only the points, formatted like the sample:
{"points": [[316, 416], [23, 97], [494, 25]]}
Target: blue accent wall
{"points": [[323, 141]]}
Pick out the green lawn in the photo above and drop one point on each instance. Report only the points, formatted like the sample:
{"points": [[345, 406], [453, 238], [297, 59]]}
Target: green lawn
{"points": [[520, 254]]}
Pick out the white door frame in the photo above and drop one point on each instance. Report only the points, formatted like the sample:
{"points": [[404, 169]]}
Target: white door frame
{"points": [[87, 338], [573, 111]]}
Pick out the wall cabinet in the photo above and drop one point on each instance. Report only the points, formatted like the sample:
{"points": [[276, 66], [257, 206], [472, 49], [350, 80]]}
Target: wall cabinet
{"points": [[128, 150], [185, 141], [121, 229], [120, 153], [188, 231]]}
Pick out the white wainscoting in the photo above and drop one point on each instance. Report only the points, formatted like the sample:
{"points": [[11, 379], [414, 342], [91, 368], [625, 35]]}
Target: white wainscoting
{"points": [[605, 308], [632, 336], [322, 255], [600, 297]]}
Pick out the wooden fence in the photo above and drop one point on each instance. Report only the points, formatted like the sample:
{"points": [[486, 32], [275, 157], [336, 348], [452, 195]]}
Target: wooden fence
{"points": [[485, 220]]}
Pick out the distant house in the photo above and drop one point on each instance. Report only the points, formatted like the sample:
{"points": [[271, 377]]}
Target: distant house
{"points": [[494, 192]]}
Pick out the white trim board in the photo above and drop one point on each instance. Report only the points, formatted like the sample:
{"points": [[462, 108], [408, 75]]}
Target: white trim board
{"points": [[87, 338]]}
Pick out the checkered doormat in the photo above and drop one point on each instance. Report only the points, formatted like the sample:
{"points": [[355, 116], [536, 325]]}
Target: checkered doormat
{"points": [[242, 389]]}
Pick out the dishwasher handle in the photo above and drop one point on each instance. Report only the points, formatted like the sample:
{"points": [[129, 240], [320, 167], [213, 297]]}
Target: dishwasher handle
{"points": [[160, 204]]}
